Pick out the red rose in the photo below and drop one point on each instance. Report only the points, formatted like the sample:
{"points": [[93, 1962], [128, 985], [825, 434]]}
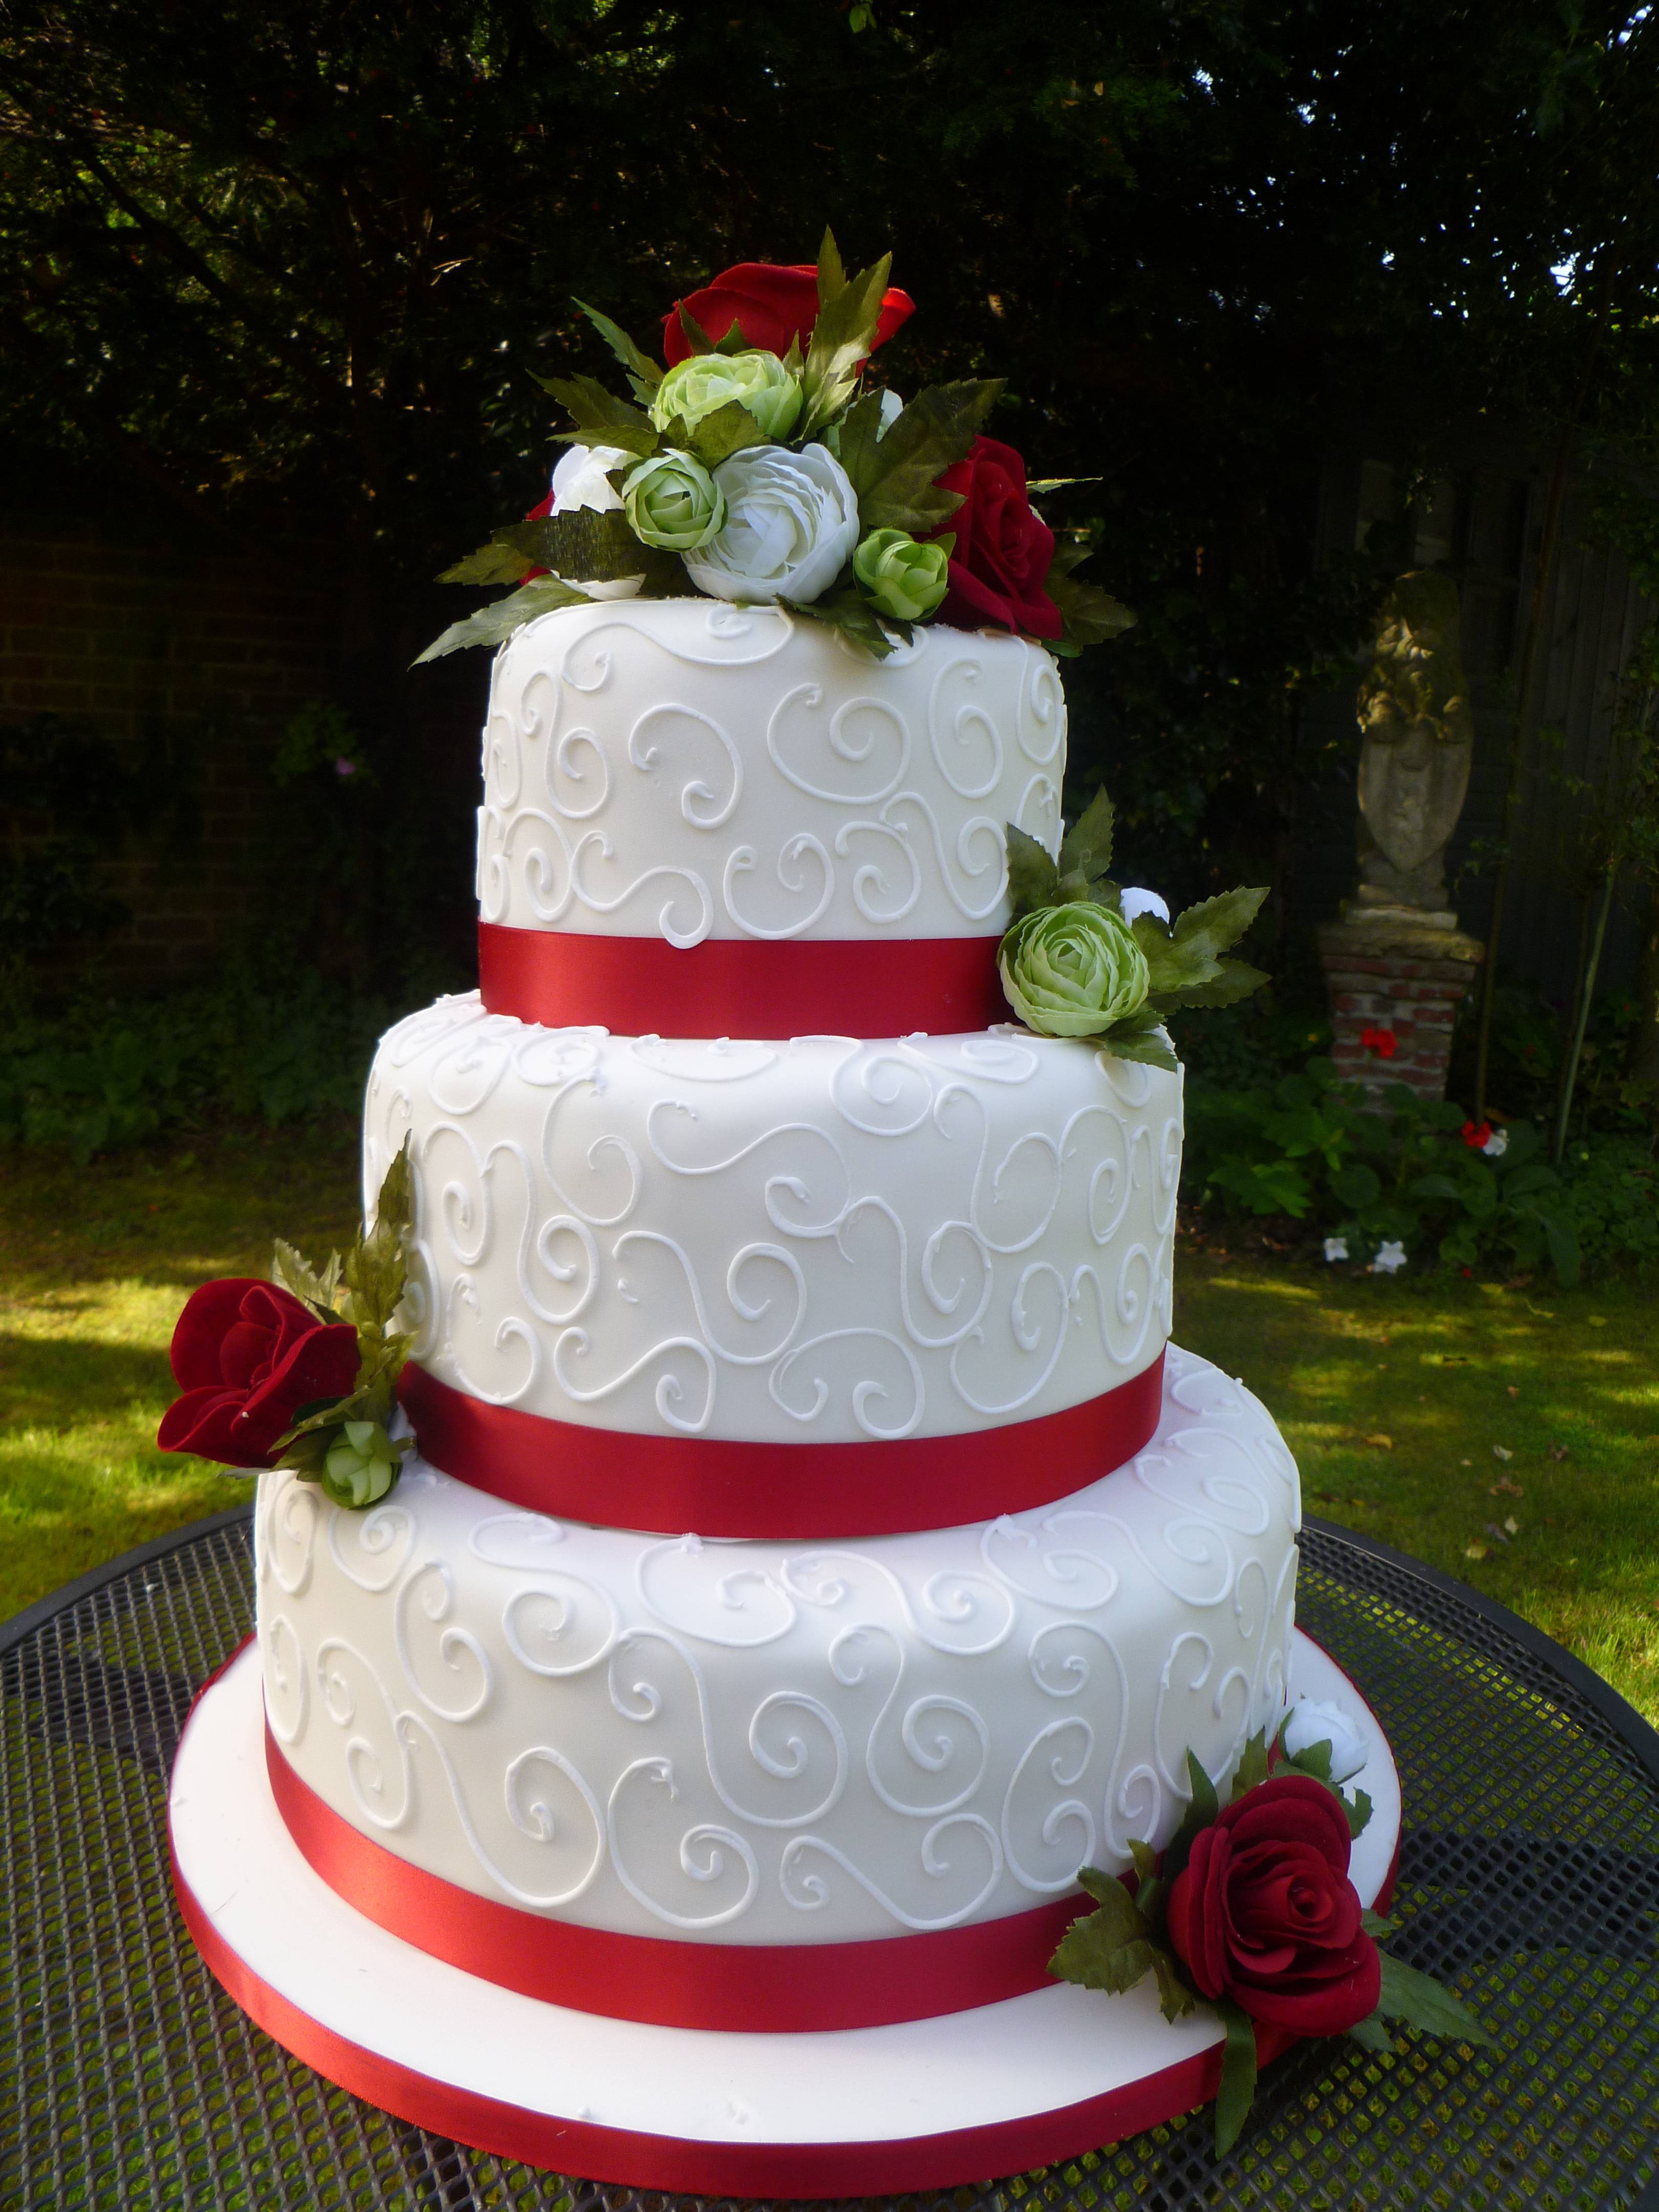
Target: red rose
{"points": [[1002, 551], [1263, 1912], [247, 1356], [773, 304]]}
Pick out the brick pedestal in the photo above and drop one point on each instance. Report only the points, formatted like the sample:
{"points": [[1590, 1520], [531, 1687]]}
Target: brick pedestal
{"points": [[1406, 980]]}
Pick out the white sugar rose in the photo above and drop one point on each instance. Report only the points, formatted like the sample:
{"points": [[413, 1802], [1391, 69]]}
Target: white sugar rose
{"points": [[791, 521], [581, 480], [1315, 1721]]}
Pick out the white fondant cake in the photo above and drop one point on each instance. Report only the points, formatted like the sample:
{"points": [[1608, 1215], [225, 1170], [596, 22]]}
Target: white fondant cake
{"points": [[825, 1278], [692, 770], [771, 1743], [819, 1240]]}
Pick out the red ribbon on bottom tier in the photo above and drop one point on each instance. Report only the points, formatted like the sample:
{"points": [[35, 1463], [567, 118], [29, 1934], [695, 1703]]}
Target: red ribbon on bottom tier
{"points": [[753, 1988], [811, 1492], [741, 987]]}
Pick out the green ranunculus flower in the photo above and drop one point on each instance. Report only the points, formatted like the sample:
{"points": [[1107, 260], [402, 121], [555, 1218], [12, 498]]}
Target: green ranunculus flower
{"points": [[707, 381], [1072, 970], [361, 1466], [904, 578], [672, 501]]}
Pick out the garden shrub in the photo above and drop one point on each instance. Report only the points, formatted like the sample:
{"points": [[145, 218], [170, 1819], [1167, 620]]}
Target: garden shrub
{"points": [[102, 1076], [1416, 1172]]}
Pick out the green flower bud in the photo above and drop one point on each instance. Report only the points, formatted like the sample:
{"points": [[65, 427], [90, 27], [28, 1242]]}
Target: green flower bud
{"points": [[705, 382], [1072, 970], [904, 578], [673, 502], [362, 1465]]}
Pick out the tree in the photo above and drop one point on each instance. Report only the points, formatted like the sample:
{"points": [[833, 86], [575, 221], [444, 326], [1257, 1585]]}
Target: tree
{"points": [[289, 266]]}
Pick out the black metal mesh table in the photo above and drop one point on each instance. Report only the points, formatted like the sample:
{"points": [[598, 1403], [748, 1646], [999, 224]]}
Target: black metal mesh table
{"points": [[1529, 1871]]}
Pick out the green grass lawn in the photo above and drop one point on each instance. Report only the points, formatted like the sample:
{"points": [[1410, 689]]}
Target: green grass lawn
{"points": [[1430, 1411]]}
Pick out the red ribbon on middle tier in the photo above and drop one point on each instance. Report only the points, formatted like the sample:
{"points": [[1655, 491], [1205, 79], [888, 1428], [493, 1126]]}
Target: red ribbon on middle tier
{"points": [[811, 1492], [742, 986]]}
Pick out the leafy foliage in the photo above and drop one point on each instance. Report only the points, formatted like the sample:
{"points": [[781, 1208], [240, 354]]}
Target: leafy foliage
{"points": [[1322, 1151], [894, 472]]}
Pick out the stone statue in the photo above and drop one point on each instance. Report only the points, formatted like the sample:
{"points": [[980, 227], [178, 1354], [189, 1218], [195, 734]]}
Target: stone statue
{"points": [[1413, 708]]}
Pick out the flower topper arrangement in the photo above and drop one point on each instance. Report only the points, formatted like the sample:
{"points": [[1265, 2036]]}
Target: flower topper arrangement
{"points": [[302, 1371], [754, 465], [1250, 1909], [1084, 958]]}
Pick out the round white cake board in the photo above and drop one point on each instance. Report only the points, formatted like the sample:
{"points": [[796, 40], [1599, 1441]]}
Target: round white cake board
{"points": [[921, 2104]]}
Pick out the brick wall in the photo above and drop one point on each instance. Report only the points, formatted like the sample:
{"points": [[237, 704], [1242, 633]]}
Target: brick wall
{"points": [[1407, 1006], [147, 634]]}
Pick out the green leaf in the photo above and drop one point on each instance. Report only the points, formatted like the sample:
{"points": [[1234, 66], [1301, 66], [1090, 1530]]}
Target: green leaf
{"points": [[1233, 981], [1423, 1185], [1371, 2034], [1088, 616], [1144, 1045], [1527, 1179], [1033, 878], [1209, 928], [295, 1274], [1057, 483], [1201, 1808], [850, 612], [1375, 1926], [893, 472], [1086, 848], [1238, 2072], [832, 272], [495, 624], [1421, 2001], [375, 1269], [1175, 1999], [728, 430], [696, 336], [495, 563], [842, 338], [1107, 1949], [1145, 1859], [1357, 1185], [1313, 1758], [580, 545], [1253, 1764], [1358, 1810], [643, 373], [601, 419]]}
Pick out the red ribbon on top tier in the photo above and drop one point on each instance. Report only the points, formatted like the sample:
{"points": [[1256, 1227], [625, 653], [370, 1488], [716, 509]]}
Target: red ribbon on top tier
{"points": [[754, 1988], [811, 1492], [741, 987]]}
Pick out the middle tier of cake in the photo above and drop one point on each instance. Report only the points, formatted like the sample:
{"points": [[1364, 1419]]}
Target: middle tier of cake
{"points": [[827, 1242]]}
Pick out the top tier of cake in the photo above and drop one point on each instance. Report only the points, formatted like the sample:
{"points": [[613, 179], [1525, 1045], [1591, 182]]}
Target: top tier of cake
{"points": [[686, 770]]}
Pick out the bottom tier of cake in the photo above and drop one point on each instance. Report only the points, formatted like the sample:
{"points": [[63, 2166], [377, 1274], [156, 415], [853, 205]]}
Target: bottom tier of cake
{"points": [[926, 2104], [710, 1746]]}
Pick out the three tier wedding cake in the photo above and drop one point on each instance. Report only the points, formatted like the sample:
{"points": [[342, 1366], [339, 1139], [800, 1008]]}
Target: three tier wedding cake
{"points": [[673, 1736]]}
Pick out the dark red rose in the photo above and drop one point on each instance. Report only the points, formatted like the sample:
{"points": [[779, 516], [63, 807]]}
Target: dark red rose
{"points": [[1003, 550], [1263, 1912], [247, 1356], [773, 304]]}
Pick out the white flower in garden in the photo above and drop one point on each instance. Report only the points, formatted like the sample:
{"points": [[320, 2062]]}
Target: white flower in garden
{"points": [[1336, 1247], [580, 479], [1316, 1722], [1497, 1145], [1131, 904], [1390, 1258], [791, 521]]}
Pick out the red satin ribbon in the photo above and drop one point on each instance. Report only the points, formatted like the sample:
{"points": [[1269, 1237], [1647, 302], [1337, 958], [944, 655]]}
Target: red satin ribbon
{"points": [[812, 1492], [742, 986], [769, 1988]]}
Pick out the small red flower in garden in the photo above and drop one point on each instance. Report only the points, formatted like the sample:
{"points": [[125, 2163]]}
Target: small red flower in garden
{"points": [[1263, 1912], [1384, 1042], [247, 1355], [773, 304], [1003, 552], [1477, 1135]]}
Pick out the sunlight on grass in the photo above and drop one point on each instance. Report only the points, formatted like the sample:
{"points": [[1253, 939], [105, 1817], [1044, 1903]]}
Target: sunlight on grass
{"points": [[94, 1265]]}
